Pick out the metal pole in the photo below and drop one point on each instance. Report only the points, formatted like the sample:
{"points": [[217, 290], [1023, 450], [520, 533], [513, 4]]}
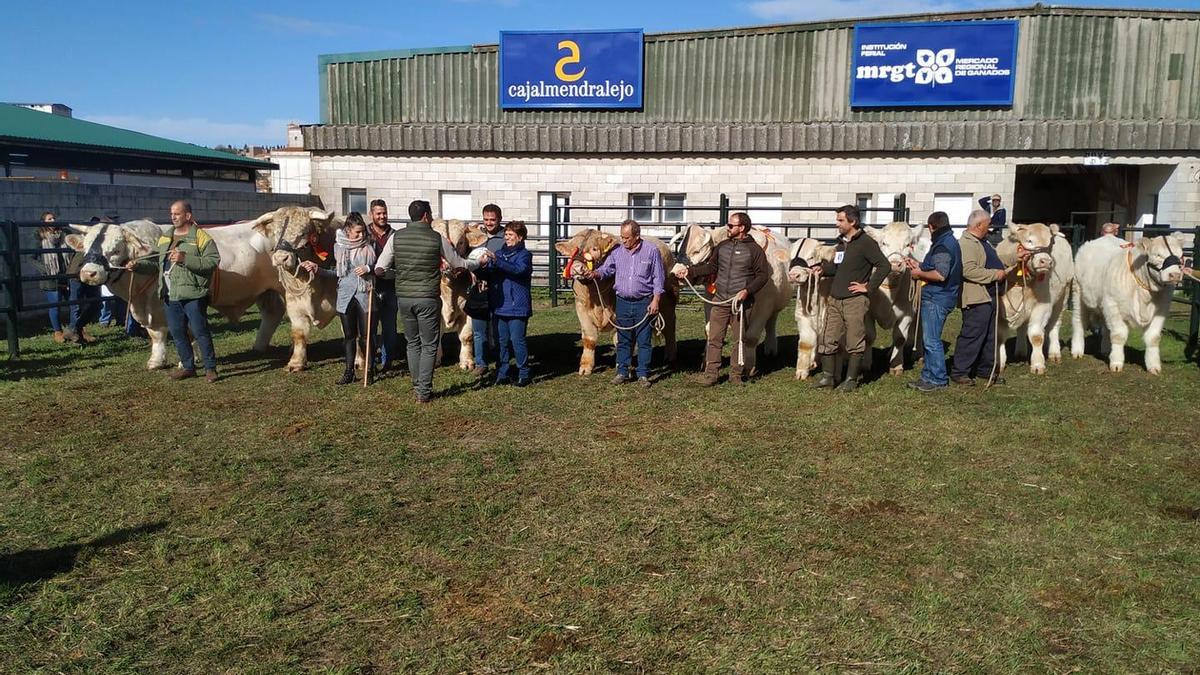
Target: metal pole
{"points": [[12, 286], [724, 209], [553, 277]]}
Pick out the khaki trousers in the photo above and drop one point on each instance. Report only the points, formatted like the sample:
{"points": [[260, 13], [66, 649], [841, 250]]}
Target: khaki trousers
{"points": [[845, 326]]}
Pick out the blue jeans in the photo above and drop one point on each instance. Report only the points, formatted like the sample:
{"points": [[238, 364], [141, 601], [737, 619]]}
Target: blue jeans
{"points": [[483, 332], [87, 307], [113, 309], [512, 343], [385, 314], [191, 314], [933, 319], [56, 296], [630, 312]]}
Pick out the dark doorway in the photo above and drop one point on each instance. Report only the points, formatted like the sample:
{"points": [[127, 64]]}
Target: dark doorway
{"points": [[1086, 195]]}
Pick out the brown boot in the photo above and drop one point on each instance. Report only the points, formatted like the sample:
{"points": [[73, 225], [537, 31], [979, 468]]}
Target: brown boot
{"points": [[58, 337], [182, 374], [85, 338], [707, 379], [210, 376]]}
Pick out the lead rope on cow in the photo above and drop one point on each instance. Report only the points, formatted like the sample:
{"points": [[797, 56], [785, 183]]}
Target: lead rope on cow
{"points": [[735, 306], [999, 288], [659, 323]]}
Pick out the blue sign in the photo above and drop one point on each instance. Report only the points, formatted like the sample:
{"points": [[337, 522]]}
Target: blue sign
{"points": [[571, 69], [905, 65]]}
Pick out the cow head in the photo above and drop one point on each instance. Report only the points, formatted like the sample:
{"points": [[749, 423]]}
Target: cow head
{"points": [[898, 241], [1164, 258], [108, 245], [455, 231], [590, 247], [1039, 240], [806, 253], [698, 242], [292, 229]]}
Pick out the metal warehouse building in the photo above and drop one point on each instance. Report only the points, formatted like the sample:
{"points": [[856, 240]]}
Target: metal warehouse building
{"points": [[1104, 125]]}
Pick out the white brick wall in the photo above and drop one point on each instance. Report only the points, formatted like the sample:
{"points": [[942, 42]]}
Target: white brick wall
{"points": [[514, 183]]}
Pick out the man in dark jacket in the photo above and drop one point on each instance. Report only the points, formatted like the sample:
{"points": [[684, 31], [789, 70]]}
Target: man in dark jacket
{"points": [[385, 290], [741, 268], [941, 274], [998, 213], [416, 256], [858, 267], [483, 325]]}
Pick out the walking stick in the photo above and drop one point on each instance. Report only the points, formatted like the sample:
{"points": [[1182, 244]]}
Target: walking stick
{"points": [[368, 356]]}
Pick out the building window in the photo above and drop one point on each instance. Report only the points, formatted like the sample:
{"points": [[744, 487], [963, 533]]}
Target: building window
{"points": [[642, 203], [957, 206], [765, 208], [454, 205], [564, 199], [673, 208], [354, 199]]}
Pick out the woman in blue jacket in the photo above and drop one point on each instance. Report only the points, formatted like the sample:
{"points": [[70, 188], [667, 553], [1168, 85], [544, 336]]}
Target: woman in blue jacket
{"points": [[510, 275]]}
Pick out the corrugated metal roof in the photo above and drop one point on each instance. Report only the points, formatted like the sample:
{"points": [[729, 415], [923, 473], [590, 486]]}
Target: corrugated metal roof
{"points": [[998, 136], [24, 126], [1074, 64]]}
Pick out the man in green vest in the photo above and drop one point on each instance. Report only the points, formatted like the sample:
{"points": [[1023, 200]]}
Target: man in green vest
{"points": [[416, 255]]}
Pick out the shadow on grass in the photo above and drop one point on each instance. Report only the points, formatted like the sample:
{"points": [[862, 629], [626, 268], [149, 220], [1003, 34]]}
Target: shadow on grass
{"points": [[37, 565]]}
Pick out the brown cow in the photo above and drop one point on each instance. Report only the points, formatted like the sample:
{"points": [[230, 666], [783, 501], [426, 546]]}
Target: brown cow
{"points": [[595, 301]]}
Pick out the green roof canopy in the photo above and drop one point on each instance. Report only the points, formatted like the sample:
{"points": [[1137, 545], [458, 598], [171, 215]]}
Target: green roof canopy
{"points": [[30, 127]]}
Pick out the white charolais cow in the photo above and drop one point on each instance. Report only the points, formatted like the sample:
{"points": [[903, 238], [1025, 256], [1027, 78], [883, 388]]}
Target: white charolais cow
{"points": [[244, 278], [454, 288], [595, 300], [699, 243], [894, 303], [1037, 290], [1124, 283], [812, 298]]}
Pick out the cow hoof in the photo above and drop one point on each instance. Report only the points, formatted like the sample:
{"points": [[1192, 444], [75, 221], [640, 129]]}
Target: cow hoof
{"points": [[1056, 358], [1115, 367], [1154, 371], [1076, 355], [585, 371], [1037, 370], [898, 370], [294, 368], [801, 374]]}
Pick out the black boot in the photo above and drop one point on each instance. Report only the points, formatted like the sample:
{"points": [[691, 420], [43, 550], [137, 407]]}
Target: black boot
{"points": [[828, 378], [351, 349], [852, 370]]}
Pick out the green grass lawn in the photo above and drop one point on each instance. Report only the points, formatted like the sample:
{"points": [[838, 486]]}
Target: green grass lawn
{"points": [[275, 522]]}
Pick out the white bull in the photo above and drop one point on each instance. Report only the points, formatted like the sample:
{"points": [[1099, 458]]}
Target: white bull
{"points": [[1037, 290], [812, 298], [455, 286], [244, 278], [1126, 284], [893, 304]]}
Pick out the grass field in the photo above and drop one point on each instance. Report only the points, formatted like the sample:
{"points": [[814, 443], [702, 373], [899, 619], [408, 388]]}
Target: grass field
{"points": [[278, 523]]}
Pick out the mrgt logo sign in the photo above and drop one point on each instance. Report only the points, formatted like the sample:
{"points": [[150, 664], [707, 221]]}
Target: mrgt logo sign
{"points": [[934, 64]]}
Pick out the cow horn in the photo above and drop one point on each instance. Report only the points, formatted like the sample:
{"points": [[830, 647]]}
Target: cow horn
{"points": [[318, 214], [81, 229]]}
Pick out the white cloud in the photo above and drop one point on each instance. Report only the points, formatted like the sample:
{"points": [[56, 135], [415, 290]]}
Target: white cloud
{"points": [[814, 10], [201, 131], [297, 24]]}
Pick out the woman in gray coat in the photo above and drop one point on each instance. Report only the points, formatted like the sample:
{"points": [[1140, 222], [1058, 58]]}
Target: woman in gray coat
{"points": [[355, 262]]}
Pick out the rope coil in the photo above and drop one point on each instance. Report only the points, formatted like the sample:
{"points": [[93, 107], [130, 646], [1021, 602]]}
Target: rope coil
{"points": [[735, 307]]}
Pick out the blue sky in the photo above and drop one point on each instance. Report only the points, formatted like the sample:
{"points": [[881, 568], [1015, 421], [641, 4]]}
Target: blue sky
{"points": [[236, 72]]}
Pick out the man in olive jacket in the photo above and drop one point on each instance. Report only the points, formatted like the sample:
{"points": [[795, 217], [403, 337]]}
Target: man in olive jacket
{"points": [[982, 272], [185, 263], [858, 267], [416, 254]]}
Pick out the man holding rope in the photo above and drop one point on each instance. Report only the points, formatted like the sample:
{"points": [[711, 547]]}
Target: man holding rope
{"points": [[741, 268], [858, 267], [185, 261], [639, 279], [982, 272], [941, 272]]}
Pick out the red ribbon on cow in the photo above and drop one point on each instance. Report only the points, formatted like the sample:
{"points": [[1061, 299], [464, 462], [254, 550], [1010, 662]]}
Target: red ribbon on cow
{"points": [[567, 271], [315, 242]]}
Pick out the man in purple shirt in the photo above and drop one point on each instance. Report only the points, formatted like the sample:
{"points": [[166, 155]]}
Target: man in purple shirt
{"points": [[638, 273]]}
